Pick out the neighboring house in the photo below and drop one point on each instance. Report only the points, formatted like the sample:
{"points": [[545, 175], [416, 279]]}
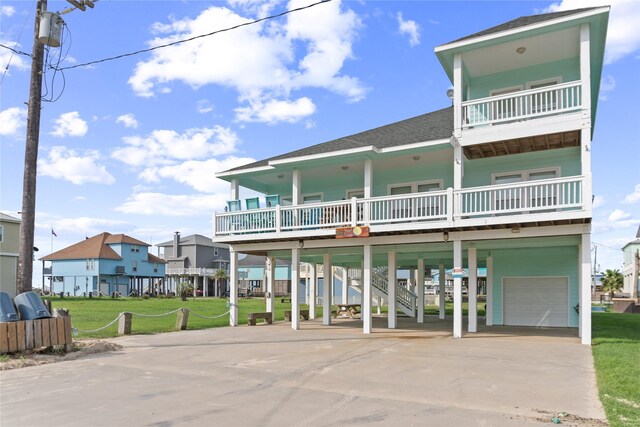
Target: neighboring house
{"points": [[631, 267], [106, 263], [252, 274], [501, 180], [9, 250], [195, 259]]}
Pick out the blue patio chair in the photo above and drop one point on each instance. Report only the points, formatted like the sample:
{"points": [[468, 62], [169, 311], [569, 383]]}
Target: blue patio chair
{"points": [[236, 221], [252, 203], [234, 205], [272, 200]]}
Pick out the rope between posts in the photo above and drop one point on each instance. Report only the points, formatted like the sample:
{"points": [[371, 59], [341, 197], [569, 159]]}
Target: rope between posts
{"points": [[76, 330], [207, 317]]}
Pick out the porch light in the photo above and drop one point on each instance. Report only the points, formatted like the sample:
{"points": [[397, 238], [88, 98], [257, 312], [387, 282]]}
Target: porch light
{"points": [[301, 244], [344, 168], [515, 230], [521, 50], [281, 176], [445, 236]]}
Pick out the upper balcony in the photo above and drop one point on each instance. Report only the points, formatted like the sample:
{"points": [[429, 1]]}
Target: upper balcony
{"points": [[533, 202]]}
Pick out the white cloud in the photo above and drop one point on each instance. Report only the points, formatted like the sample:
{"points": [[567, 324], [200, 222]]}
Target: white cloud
{"points": [[598, 201], [273, 111], [607, 84], [9, 60], [308, 49], [67, 164], [623, 37], [128, 120], [90, 226], [409, 28], [203, 106], [12, 120], [165, 147], [70, 124], [196, 174], [172, 205], [634, 197], [618, 215], [7, 10]]}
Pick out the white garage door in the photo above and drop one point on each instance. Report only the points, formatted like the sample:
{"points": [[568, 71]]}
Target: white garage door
{"points": [[536, 301]]}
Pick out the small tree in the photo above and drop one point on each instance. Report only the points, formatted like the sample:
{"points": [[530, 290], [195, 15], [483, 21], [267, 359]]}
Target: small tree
{"points": [[218, 275], [184, 289], [612, 281]]}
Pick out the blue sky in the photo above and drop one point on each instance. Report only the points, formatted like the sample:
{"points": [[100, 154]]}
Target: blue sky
{"points": [[131, 145]]}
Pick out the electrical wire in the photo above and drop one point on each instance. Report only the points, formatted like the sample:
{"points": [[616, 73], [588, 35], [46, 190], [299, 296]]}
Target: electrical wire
{"points": [[137, 52], [24, 24]]}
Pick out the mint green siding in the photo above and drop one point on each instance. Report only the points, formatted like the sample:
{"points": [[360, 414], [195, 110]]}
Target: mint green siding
{"points": [[568, 70], [478, 172], [535, 262]]}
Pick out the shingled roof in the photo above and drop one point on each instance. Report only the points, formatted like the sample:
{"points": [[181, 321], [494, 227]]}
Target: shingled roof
{"points": [[426, 127], [523, 21], [95, 247]]}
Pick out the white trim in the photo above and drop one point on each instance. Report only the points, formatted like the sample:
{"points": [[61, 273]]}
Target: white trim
{"points": [[552, 80], [323, 155], [505, 90], [9, 254], [243, 171], [525, 28], [568, 284], [353, 190], [525, 173], [414, 185]]}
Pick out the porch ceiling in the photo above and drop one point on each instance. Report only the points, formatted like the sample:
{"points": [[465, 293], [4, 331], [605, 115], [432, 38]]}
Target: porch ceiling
{"points": [[523, 145]]}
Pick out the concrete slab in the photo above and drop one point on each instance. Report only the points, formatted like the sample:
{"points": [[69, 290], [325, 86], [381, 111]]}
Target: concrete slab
{"points": [[318, 376]]}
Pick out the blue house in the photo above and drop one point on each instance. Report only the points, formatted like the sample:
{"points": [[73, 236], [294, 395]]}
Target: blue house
{"points": [[105, 263], [500, 180]]}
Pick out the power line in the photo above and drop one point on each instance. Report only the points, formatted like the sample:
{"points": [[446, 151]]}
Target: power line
{"points": [[137, 52], [19, 52], [608, 247]]}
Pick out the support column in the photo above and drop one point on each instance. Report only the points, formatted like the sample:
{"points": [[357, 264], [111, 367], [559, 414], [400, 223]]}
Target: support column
{"points": [[313, 282], [489, 310], [345, 285], [327, 284], [271, 280], [233, 292], [473, 290], [295, 288], [366, 289], [392, 280], [420, 292], [234, 193], [457, 289], [205, 291], [296, 187], [585, 285], [442, 296]]}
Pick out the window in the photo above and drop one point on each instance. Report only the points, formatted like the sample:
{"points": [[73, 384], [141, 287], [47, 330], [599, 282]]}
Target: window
{"points": [[414, 207], [135, 248], [90, 264], [1, 233], [546, 101], [510, 198], [504, 108], [135, 266], [358, 194], [215, 251]]}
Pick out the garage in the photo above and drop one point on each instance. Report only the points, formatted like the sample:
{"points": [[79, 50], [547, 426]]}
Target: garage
{"points": [[536, 301]]}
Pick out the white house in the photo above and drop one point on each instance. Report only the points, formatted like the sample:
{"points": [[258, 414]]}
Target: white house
{"points": [[501, 180]]}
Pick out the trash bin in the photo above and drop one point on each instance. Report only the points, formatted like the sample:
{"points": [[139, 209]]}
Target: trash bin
{"points": [[30, 306], [7, 309]]}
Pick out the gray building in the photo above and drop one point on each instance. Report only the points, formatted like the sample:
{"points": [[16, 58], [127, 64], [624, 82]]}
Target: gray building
{"points": [[195, 258]]}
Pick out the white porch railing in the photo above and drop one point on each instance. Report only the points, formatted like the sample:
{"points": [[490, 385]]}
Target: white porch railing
{"points": [[519, 198], [190, 271], [436, 208], [556, 99]]}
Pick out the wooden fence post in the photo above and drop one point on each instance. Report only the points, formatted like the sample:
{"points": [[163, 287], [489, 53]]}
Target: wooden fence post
{"points": [[182, 319], [124, 325]]}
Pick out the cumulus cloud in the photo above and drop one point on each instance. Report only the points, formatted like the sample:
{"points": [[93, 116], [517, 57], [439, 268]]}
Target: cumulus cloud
{"points": [[634, 197], [273, 111], [128, 120], [70, 124], [409, 28], [607, 85], [9, 61], [618, 215], [77, 168], [623, 37], [598, 201], [90, 226], [308, 49], [7, 10], [12, 120], [203, 106], [152, 203]]}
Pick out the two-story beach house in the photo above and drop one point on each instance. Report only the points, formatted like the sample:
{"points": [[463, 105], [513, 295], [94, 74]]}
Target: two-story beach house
{"points": [[105, 263], [631, 267], [501, 180]]}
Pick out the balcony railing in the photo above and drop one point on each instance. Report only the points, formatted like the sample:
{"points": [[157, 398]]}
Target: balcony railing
{"points": [[191, 271], [526, 104], [438, 209]]}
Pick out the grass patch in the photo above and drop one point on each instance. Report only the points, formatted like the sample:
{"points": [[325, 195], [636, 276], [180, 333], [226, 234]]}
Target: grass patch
{"points": [[616, 353], [94, 313]]}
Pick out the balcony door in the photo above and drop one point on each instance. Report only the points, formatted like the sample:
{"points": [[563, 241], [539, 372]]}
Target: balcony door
{"points": [[513, 198], [414, 207]]}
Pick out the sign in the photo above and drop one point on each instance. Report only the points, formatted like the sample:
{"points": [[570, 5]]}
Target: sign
{"points": [[458, 273], [352, 232]]}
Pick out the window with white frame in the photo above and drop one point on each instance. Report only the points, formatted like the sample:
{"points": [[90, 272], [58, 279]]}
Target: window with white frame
{"points": [[90, 264], [215, 251], [504, 108], [513, 198], [544, 101], [1, 233], [135, 266], [416, 206], [135, 248]]}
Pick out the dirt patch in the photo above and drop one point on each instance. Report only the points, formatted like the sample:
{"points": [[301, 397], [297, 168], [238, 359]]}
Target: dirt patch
{"points": [[80, 349], [568, 419]]}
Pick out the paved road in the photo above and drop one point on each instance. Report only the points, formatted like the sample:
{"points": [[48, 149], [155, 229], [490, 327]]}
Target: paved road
{"points": [[317, 376]]}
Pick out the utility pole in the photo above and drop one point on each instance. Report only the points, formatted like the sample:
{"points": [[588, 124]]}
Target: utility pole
{"points": [[25, 271]]}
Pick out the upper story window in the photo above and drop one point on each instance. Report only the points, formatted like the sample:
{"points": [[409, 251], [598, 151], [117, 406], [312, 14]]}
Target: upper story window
{"points": [[509, 199], [1, 233], [135, 248], [90, 264], [215, 251], [358, 194], [414, 187], [306, 198], [135, 266]]}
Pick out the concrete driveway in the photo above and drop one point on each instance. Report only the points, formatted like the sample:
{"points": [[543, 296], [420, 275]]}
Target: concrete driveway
{"points": [[317, 376]]}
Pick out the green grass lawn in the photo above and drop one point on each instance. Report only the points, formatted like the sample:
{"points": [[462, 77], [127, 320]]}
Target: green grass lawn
{"points": [[616, 352]]}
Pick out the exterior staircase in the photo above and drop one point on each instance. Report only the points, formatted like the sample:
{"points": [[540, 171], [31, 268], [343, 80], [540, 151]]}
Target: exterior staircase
{"points": [[405, 299]]}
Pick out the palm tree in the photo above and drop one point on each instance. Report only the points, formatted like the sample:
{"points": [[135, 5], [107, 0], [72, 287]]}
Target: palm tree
{"points": [[612, 281], [218, 275]]}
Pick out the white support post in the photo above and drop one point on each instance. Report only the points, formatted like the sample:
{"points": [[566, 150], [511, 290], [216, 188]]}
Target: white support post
{"points": [[442, 296], [473, 289], [392, 281], [585, 285], [296, 187], [489, 310], [345, 285], [366, 289], [233, 292], [271, 280], [295, 288], [234, 193], [327, 284], [457, 289], [457, 94], [585, 70], [368, 187], [420, 292], [205, 291], [313, 283]]}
